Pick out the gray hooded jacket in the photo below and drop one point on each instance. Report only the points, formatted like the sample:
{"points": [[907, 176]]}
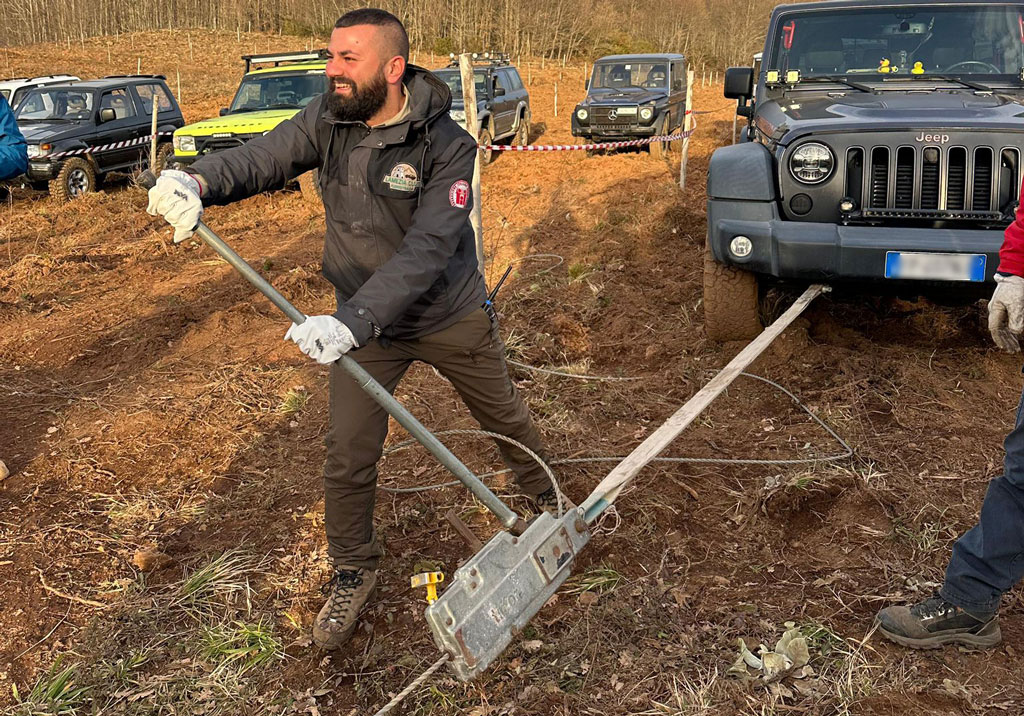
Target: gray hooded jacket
{"points": [[399, 250]]}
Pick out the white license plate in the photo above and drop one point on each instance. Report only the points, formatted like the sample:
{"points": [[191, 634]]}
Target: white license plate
{"points": [[934, 267]]}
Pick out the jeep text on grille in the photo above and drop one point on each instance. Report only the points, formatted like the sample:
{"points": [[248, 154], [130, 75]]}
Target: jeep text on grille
{"points": [[882, 151]]}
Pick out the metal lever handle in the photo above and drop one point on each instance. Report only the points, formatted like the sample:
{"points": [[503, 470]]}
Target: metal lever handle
{"points": [[510, 519]]}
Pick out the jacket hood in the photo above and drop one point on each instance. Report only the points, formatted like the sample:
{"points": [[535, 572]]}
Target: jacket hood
{"points": [[429, 97]]}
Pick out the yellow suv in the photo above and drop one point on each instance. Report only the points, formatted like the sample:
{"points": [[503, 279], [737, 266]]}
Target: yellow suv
{"points": [[266, 96]]}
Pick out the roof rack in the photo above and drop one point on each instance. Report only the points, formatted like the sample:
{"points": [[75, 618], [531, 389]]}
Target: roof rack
{"points": [[494, 59], [278, 58], [129, 77]]}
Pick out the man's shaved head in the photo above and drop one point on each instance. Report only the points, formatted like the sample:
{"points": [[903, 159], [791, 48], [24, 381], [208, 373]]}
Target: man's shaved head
{"points": [[389, 29]]}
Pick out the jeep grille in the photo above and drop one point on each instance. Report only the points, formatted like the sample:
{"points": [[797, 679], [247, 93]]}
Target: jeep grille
{"points": [[931, 182]]}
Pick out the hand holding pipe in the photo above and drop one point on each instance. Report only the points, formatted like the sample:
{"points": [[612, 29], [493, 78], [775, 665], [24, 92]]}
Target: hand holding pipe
{"points": [[365, 381]]}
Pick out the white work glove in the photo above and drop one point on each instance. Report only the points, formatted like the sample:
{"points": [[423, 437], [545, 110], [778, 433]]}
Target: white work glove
{"points": [[175, 196], [1006, 312], [325, 339]]}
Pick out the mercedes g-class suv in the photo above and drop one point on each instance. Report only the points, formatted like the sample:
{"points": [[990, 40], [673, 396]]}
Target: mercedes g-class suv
{"points": [[882, 152], [79, 132], [503, 103], [632, 97]]}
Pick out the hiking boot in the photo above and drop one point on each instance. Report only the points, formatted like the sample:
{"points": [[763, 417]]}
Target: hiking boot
{"points": [[547, 501], [347, 591], [935, 622]]}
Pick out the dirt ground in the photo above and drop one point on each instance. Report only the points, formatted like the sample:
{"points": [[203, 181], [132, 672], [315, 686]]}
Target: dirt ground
{"points": [[161, 532]]}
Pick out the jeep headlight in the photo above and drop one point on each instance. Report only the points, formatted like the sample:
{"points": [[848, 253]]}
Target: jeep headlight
{"points": [[37, 151], [811, 163], [184, 143], [646, 113], [582, 114], [459, 115]]}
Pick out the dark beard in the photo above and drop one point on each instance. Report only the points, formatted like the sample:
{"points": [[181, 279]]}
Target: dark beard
{"points": [[363, 103]]}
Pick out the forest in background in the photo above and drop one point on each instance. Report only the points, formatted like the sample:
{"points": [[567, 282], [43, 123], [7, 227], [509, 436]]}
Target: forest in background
{"points": [[715, 32]]}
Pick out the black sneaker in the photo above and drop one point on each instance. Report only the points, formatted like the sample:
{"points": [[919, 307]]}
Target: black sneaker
{"points": [[935, 622]]}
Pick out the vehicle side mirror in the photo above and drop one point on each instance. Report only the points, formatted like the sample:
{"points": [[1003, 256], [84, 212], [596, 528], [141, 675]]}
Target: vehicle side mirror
{"points": [[499, 91], [223, 111], [107, 115], [586, 84], [739, 82]]}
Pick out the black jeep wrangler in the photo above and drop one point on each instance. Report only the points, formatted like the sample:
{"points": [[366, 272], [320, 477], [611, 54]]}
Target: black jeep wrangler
{"points": [[631, 97], [503, 103], [80, 131], [882, 153]]}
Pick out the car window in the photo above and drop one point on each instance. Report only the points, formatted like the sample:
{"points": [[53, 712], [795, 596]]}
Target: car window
{"points": [[279, 91], [6, 94], [55, 104], [500, 81], [678, 76], [119, 101], [513, 79], [146, 93], [613, 75], [454, 81]]}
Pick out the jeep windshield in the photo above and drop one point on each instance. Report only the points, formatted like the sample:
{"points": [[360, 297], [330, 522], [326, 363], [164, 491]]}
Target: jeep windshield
{"points": [[55, 105], [278, 91], [914, 40], [623, 75], [453, 78]]}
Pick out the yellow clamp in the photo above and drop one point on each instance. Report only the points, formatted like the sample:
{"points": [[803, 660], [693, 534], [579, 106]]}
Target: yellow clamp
{"points": [[430, 580]]}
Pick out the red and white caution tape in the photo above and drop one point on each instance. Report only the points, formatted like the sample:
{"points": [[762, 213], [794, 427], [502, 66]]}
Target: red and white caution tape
{"points": [[602, 145], [106, 147]]}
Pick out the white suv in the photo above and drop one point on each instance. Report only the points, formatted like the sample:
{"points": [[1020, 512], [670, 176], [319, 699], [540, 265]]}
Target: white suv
{"points": [[15, 88]]}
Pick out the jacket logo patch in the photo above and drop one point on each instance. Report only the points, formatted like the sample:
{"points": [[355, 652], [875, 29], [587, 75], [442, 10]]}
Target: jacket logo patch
{"points": [[403, 177], [458, 195]]}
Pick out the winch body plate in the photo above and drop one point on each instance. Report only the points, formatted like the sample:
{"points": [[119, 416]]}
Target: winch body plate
{"points": [[498, 591]]}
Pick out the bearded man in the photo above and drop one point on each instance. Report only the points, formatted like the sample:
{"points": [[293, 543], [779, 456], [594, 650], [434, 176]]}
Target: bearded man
{"points": [[395, 174]]}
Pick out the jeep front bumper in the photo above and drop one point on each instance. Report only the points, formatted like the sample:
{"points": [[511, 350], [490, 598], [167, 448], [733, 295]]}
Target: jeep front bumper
{"points": [[834, 252]]}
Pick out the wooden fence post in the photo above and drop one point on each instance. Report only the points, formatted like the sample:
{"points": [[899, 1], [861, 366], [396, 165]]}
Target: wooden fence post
{"points": [[687, 123], [469, 103]]}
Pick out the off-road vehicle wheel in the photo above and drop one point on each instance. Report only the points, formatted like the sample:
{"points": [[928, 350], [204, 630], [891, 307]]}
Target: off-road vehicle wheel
{"points": [[164, 158], [730, 302], [75, 178], [522, 137], [486, 155], [660, 149], [309, 185]]}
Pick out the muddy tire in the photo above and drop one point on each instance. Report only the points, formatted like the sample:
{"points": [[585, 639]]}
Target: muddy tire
{"points": [[660, 149], [309, 185], [164, 158], [75, 178], [522, 137], [731, 302], [486, 155]]}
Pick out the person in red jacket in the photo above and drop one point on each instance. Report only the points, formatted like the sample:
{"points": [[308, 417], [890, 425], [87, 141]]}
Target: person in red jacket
{"points": [[988, 559]]}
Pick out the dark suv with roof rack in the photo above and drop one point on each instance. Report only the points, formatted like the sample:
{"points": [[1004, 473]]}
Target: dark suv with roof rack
{"points": [[882, 152], [503, 102], [79, 132]]}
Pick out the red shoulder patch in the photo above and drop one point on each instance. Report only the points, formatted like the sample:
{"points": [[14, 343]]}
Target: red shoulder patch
{"points": [[458, 195]]}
